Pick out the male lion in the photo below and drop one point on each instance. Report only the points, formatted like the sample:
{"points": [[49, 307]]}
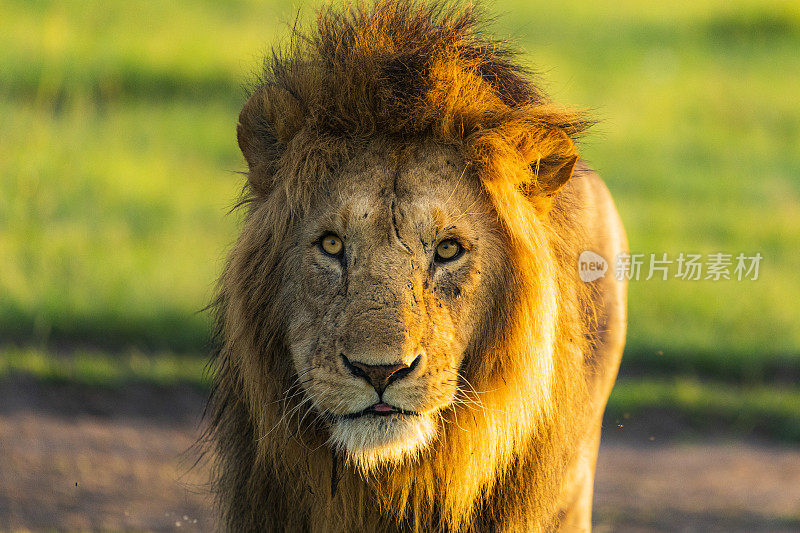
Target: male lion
{"points": [[405, 341]]}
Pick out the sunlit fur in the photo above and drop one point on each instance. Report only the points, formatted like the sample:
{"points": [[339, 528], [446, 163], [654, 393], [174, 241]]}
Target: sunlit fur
{"points": [[390, 124]]}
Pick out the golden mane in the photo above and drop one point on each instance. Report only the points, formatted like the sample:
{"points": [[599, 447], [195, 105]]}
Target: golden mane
{"points": [[405, 71]]}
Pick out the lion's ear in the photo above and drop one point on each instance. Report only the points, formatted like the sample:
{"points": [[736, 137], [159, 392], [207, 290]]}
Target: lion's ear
{"points": [[552, 173], [267, 122], [551, 155]]}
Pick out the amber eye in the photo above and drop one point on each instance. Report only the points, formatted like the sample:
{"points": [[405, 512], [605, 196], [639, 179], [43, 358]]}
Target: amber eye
{"points": [[331, 244], [448, 250]]}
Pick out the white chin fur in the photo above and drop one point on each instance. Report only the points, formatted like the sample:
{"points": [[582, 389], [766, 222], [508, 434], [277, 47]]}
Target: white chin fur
{"points": [[371, 441]]}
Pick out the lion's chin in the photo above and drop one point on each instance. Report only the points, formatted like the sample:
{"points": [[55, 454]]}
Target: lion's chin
{"points": [[370, 441]]}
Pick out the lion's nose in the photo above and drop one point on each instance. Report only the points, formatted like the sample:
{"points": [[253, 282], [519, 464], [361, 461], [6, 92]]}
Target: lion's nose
{"points": [[379, 376]]}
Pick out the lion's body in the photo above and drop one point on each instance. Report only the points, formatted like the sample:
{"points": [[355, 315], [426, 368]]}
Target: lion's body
{"points": [[506, 357]]}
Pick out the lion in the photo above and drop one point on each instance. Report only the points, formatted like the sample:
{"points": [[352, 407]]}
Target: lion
{"points": [[405, 341]]}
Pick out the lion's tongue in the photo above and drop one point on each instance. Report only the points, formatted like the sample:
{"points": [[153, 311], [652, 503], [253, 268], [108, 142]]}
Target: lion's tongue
{"points": [[382, 408]]}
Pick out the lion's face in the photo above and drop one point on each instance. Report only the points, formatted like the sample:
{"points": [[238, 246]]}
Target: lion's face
{"points": [[392, 274]]}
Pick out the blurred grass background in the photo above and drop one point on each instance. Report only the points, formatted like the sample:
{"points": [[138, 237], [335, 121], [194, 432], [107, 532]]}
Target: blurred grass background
{"points": [[118, 164]]}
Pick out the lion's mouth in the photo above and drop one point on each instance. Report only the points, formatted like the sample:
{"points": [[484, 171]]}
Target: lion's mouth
{"points": [[381, 434], [380, 409]]}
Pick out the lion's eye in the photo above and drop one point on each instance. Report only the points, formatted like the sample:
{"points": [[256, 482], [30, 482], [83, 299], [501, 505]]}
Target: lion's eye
{"points": [[331, 244], [448, 250]]}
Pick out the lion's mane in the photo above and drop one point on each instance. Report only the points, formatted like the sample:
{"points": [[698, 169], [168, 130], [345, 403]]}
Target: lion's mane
{"points": [[404, 71]]}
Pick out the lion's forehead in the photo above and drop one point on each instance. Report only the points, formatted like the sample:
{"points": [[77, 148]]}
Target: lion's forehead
{"points": [[409, 172]]}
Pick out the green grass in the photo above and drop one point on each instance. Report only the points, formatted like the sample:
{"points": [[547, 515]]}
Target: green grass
{"points": [[99, 369], [119, 225], [118, 163]]}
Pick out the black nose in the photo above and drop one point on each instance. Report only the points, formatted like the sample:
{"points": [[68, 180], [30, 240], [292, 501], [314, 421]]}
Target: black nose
{"points": [[379, 376]]}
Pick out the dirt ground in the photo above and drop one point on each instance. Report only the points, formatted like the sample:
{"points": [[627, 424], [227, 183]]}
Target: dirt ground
{"points": [[78, 459]]}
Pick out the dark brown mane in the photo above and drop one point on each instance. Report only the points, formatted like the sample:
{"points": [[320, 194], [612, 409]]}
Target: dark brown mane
{"points": [[380, 65]]}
